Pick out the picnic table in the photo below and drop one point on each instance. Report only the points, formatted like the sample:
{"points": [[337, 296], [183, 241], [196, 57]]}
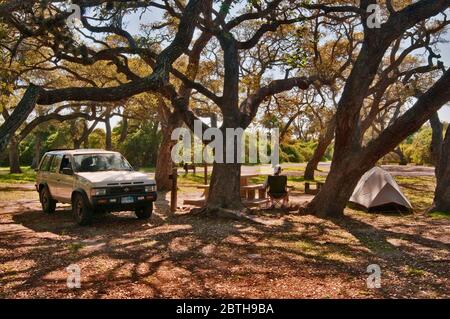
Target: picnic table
{"points": [[248, 192], [245, 178]]}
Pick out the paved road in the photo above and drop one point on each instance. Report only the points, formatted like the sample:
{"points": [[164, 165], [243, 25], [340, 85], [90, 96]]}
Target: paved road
{"points": [[296, 169]]}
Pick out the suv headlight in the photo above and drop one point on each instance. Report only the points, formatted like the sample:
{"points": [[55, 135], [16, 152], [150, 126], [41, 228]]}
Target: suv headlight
{"points": [[150, 188], [98, 192]]}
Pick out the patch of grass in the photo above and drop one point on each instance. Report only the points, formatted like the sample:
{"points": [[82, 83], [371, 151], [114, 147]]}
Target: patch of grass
{"points": [[419, 190], [305, 246], [294, 168], [258, 180], [313, 249], [416, 272], [28, 175], [377, 246], [74, 247], [440, 215], [191, 178]]}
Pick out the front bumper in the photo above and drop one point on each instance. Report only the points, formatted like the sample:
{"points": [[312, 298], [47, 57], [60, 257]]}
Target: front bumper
{"points": [[122, 202]]}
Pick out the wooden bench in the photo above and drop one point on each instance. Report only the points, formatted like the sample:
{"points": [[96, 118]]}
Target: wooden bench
{"points": [[199, 201], [187, 167], [249, 199], [195, 201], [247, 202], [310, 191], [250, 191], [205, 189], [255, 202]]}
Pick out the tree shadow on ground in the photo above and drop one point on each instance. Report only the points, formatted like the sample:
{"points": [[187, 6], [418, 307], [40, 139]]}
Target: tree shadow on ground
{"points": [[403, 258], [182, 255], [206, 252]]}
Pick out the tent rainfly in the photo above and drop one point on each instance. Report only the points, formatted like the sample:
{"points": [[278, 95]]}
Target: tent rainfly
{"points": [[377, 188]]}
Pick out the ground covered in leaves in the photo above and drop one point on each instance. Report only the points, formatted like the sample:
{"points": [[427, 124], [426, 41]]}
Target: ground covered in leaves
{"points": [[179, 255]]}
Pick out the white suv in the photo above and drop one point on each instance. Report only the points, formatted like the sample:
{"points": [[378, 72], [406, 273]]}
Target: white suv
{"points": [[93, 181]]}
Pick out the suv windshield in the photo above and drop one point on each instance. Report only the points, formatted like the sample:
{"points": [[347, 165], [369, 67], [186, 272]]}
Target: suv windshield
{"points": [[101, 162]]}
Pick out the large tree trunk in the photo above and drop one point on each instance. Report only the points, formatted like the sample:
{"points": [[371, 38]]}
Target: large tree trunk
{"points": [[37, 151], [338, 188], [350, 162], [436, 140], [172, 120], [225, 185], [346, 168], [442, 193], [225, 188], [345, 171], [19, 116], [164, 164], [324, 141], [14, 157]]}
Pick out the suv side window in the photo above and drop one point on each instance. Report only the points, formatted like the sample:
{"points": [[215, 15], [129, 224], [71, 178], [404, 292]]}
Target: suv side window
{"points": [[45, 164], [55, 163], [65, 163]]}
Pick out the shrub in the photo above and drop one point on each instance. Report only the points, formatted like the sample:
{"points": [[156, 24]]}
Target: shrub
{"points": [[418, 151]]}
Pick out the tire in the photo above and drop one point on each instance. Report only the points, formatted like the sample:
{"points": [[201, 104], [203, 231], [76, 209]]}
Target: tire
{"points": [[82, 212], [47, 202], [145, 212]]}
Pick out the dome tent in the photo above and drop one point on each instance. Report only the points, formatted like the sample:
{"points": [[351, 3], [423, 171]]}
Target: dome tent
{"points": [[377, 190]]}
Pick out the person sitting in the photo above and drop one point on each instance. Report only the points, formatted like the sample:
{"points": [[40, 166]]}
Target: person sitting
{"points": [[276, 172], [277, 188]]}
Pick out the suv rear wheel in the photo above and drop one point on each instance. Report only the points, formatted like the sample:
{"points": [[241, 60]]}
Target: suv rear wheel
{"points": [[47, 202], [81, 210], [144, 212]]}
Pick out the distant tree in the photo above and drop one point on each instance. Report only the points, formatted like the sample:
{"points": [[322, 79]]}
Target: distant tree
{"points": [[141, 145], [418, 152], [97, 139]]}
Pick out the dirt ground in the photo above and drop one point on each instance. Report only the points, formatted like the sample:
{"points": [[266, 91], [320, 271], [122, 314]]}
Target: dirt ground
{"points": [[170, 256]]}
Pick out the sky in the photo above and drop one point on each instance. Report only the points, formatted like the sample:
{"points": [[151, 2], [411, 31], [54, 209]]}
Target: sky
{"points": [[154, 15]]}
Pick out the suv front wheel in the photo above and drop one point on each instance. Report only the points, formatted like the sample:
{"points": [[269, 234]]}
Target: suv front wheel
{"points": [[47, 202], [81, 210], [144, 212]]}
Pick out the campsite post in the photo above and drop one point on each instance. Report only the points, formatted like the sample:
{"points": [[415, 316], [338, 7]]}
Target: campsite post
{"points": [[173, 193]]}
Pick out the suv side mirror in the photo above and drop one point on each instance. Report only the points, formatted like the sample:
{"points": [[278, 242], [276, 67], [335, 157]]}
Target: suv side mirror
{"points": [[67, 171]]}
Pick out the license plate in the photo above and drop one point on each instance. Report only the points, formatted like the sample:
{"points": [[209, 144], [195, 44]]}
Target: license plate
{"points": [[127, 200]]}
